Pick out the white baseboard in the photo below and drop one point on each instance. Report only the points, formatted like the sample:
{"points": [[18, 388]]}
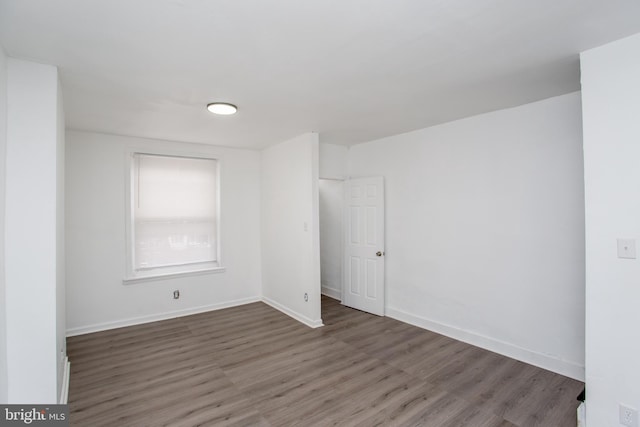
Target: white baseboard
{"points": [[64, 390], [81, 330], [545, 361], [299, 317], [581, 414], [332, 293]]}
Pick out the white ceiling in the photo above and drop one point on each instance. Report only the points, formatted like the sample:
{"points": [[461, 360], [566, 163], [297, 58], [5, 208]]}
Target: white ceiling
{"points": [[352, 70]]}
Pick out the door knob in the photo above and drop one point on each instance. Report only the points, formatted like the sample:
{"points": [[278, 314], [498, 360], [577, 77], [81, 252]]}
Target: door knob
{"points": [[379, 253]]}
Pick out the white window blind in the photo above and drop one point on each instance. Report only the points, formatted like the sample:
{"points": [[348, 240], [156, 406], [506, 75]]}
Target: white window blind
{"points": [[174, 211]]}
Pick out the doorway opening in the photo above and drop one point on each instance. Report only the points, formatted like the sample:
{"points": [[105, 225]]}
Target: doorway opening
{"points": [[352, 240], [331, 200]]}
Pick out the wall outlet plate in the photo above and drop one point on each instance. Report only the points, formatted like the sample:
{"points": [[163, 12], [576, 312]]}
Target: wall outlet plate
{"points": [[628, 416]]}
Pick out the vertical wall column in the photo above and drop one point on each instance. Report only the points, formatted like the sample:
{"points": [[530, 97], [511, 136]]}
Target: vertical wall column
{"points": [[290, 228], [33, 250], [610, 106]]}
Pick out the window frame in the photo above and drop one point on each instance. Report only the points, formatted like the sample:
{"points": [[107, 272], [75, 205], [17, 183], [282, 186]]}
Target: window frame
{"points": [[168, 272]]}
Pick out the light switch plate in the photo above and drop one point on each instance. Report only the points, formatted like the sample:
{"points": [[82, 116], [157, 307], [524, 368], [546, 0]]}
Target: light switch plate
{"points": [[627, 248]]}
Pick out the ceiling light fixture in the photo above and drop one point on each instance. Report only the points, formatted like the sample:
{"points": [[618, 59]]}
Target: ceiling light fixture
{"points": [[222, 108]]}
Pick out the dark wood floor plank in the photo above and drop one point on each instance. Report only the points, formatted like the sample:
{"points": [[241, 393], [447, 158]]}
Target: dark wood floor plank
{"points": [[299, 363], [253, 366]]}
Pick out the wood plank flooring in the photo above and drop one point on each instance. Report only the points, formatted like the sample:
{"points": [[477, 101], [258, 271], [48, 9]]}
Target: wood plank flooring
{"points": [[254, 366]]}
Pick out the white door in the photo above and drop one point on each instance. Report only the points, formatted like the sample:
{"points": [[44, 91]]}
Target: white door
{"points": [[364, 245]]}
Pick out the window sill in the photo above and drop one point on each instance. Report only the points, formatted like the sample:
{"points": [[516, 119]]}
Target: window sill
{"points": [[155, 277]]}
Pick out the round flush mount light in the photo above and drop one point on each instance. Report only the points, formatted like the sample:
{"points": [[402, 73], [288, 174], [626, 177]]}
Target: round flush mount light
{"points": [[222, 108]]}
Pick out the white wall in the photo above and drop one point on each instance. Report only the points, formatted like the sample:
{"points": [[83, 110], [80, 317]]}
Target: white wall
{"points": [[333, 161], [331, 242], [485, 230], [95, 224], [611, 111], [3, 147], [290, 228], [32, 247]]}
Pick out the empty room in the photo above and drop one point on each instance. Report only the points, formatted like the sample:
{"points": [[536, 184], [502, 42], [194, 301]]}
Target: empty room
{"points": [[319, 213]]}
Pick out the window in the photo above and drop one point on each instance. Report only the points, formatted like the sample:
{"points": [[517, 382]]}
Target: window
{"points": [[173, 215]]}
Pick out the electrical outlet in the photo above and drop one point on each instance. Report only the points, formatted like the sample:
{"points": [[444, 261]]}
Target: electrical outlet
{"points": [[176, 294], [306, 297], [628, 416]]}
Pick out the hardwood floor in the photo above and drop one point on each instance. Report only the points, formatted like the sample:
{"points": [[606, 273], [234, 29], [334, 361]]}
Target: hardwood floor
{"points": [[254, 366]]}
